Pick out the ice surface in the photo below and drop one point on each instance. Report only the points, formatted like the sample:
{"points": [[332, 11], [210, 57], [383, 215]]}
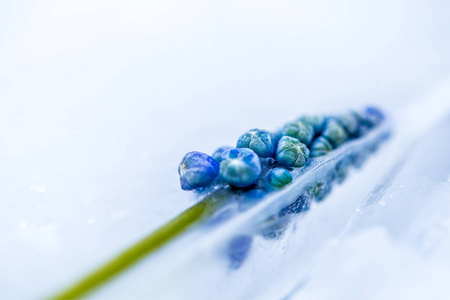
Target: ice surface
{"points": [[100, 100]]}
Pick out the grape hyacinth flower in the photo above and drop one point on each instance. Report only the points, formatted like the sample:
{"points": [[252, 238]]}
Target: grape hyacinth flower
{"points": [[261, 157], [260, 141], [291, 152], [197, 170], [252, 179], [278, 178], [335, 133], [302, 131], [321, 146], [240, 167]]}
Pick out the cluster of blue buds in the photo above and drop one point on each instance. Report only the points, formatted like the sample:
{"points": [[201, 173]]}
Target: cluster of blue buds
{"points": [[262, 158]]}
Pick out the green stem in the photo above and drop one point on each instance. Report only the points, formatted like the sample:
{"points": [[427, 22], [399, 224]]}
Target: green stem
{"points": [[144, 247]]}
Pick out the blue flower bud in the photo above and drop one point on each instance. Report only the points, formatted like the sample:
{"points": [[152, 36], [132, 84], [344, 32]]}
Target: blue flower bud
{"points": [[335, 133], [291, 152], [317, 121], [240, 167], [218, 154], [372, 116], [321, 146], [197, 170], [260, 141], [302, 131], [278, 178], [351, 122]]}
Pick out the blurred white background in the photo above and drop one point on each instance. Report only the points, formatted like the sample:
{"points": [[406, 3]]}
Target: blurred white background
{"points": [[99, 101]]}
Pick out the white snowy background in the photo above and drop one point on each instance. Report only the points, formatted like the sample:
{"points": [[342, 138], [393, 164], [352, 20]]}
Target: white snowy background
{"points": [[99, 101]]}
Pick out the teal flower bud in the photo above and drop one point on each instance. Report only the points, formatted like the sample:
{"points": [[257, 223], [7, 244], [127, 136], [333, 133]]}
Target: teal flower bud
{"points": [[317, 121], [197, 170], [240, 167], [260, 141], [278, 178], [372, 116], [302, 131], [291, 152], [335, 133], [351, 122], [321, 146]]}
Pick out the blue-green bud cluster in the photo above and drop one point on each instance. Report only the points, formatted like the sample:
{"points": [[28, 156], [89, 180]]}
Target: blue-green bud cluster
{"points": [[264, 160]]}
